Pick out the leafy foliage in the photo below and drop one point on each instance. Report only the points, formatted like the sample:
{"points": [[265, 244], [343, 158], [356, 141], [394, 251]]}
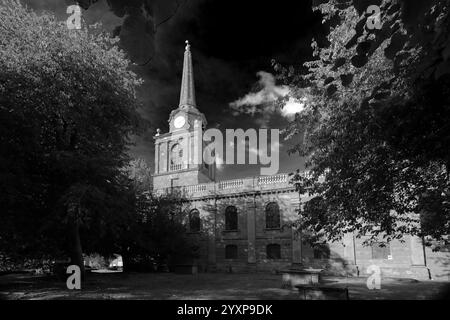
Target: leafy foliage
{"points": [[157, 231], [67, 110], [141, 20], [160, 230], [139, 172], [375, 129]]}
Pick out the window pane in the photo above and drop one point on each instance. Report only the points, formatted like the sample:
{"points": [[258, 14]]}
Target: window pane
{"points": [[231, 251], [272, 216], [273, 251], [231, 218]]}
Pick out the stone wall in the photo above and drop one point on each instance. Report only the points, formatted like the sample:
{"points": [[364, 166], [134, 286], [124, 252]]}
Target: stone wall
{"points": [[251, 196], [439, 263]]}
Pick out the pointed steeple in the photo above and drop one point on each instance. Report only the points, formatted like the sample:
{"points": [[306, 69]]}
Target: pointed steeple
{"points": [[188, 105], [187, 96]]}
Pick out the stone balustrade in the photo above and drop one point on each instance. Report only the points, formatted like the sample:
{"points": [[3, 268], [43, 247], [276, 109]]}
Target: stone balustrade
{"points": [[230, 184], [176, 167], [195, 188], [279, 181], [280, 178]]}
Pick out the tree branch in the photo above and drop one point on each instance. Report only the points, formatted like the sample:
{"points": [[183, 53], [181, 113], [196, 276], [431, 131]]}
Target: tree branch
{"points": [[178, 5]]}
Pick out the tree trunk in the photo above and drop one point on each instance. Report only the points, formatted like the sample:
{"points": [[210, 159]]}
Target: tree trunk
{"points": [[125, 258], [76, 252]]}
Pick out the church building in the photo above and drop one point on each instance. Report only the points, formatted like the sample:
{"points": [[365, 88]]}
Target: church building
{"points": [[244, 225]]}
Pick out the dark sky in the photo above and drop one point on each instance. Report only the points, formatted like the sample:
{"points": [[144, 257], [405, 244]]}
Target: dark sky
{"points": [[230, 40]]}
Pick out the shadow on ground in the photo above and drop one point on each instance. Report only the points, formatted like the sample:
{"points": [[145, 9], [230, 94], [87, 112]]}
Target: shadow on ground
{"points": [[205, 286]]}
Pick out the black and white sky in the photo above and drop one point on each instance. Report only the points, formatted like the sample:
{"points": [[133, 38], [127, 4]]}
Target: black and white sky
{"points": [[233, 43]]}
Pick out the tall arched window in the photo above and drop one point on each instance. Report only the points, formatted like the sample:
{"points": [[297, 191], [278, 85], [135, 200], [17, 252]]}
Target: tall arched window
{"points": [[273, 251], [194, 221], [231, 251], [273, 218], [176, 157], [231, 218]]}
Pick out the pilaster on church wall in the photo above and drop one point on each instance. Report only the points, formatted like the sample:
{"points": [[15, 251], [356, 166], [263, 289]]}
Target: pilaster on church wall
{"points": [[157, 153], [163, 159], [250, 206]]}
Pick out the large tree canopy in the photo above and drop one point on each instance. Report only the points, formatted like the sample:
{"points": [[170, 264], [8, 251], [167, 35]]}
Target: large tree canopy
{"points": [[67, 110], [141, 20], [375, 128]]}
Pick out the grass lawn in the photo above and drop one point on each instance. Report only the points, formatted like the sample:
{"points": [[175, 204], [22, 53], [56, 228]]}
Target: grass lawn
{"points": [[204, 286]]}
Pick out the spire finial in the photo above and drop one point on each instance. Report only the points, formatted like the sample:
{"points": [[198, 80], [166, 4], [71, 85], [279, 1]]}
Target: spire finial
{"points": [[188, 46]]}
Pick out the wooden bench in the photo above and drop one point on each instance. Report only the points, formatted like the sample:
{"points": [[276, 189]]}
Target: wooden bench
{"points": [[294, 277], [322, 293]]}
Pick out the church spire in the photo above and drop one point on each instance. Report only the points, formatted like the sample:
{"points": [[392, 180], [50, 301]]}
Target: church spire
{"points": [[187, 96]]}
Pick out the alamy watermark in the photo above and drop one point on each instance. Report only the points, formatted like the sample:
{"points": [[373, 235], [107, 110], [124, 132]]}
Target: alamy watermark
{"points": [[74, 20], [374, 20], [374, 281], [251, 146], [74, 280]]}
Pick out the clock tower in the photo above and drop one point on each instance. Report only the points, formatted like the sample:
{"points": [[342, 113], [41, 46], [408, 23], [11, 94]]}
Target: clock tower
{"points": [[178, 158]]}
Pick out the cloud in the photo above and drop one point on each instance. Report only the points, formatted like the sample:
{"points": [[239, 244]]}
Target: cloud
{"points": [[293, 106], [219, 163], [265, 101], [253, 150], [256, 151], [269, 93]]}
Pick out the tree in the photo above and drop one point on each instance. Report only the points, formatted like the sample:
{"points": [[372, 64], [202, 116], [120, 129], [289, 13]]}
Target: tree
{"points": [[141, 20], [159, 230], [375, 125], [156, 233], [67, 110], [149, 229], [139, 172]]}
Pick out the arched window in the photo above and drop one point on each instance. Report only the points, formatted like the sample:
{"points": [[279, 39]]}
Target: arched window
{"points": [[176, 157], [273, 251], [231, 218], [231, 251], [273, 218], [194, 221]]}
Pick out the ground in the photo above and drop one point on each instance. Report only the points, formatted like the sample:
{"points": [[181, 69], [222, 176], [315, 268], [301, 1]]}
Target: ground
{"points": [[204, 286]]}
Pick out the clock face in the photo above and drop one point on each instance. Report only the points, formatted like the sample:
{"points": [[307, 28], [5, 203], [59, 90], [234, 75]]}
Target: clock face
{"points": [[179, 122]]}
